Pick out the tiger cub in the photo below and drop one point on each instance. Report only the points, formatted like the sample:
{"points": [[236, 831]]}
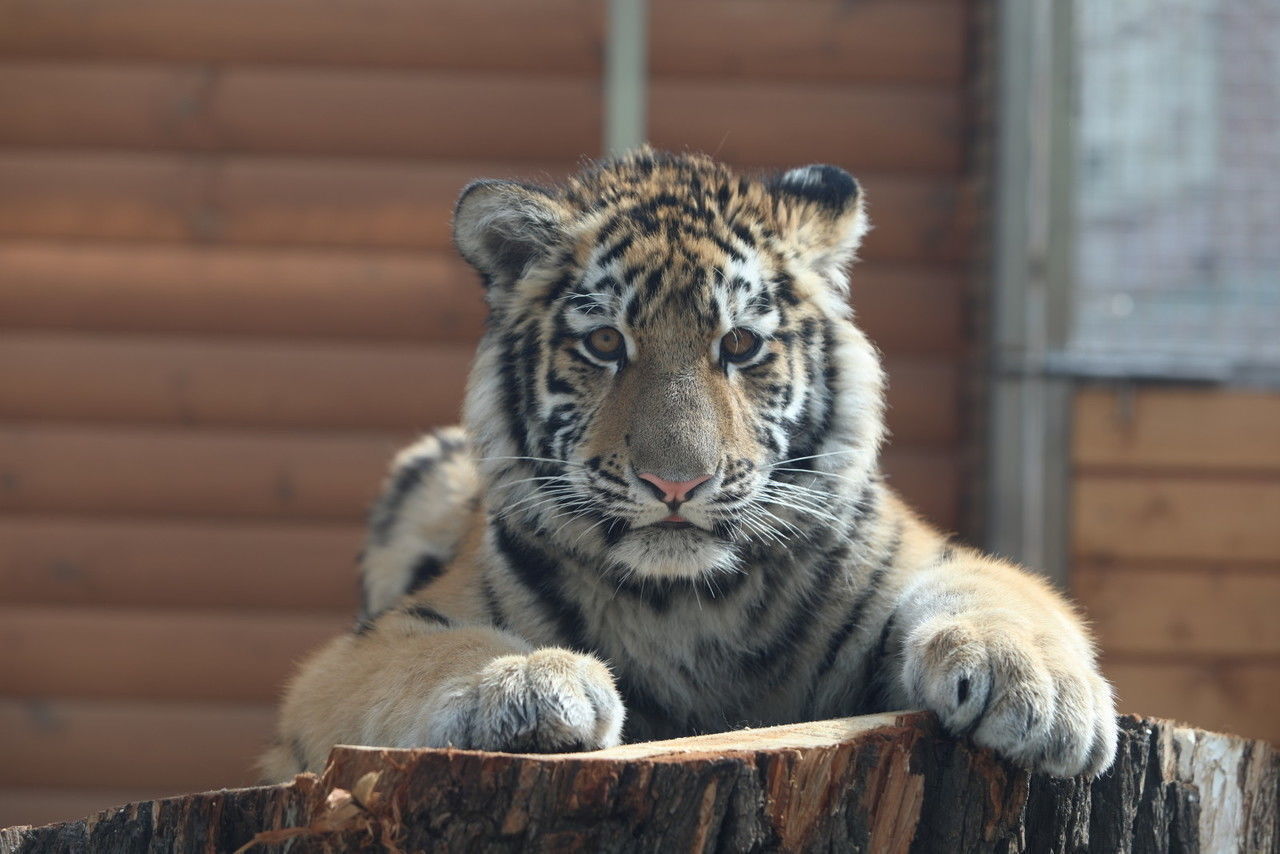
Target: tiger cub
{"points": [[665, 513]]}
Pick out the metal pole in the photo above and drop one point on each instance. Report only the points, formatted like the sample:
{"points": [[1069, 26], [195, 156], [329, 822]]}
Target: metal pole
{"points": [[625, 72]]}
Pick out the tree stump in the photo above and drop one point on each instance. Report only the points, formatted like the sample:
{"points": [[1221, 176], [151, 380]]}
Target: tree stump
{"points": [[881, 783]]}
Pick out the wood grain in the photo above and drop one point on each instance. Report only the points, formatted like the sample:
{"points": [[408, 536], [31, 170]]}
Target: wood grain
{"points": [[212, 474], [1209, 430], [917, 41], [259, 200], [122, 653], [161, 564], [1182, 611], [165, 748], [425, 296], [1119, 517], [1223, 694]]}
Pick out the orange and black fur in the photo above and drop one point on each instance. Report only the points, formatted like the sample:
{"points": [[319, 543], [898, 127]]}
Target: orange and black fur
{"points": [[664, 513]]}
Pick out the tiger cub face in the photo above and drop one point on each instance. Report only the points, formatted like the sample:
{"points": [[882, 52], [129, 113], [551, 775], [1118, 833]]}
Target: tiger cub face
{"points": [[672, 376]]}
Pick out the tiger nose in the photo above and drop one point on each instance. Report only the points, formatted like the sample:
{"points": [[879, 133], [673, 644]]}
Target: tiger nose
{"points": [[673, 491]]}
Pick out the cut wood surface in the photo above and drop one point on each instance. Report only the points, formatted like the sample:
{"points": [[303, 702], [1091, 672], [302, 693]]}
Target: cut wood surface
{"points": [[119, 653], [1191, 430], [153, 564], [1118, 517], [186, 473], [880, 783], [917, 41], [348, 202], [166, 747], [361, 294]]}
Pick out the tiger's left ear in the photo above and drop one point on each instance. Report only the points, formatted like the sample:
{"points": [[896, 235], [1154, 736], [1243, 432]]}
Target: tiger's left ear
{"points": [[822, 208]]}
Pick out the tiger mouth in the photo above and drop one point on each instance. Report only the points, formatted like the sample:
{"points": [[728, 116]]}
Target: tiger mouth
{"points": [[674, 523]]}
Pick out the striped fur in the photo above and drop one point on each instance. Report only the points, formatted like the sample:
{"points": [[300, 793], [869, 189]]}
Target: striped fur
{"points": [[525, 588]]}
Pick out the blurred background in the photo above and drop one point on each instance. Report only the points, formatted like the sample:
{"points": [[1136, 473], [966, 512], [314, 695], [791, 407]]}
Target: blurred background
{"points": [[227, 296]]}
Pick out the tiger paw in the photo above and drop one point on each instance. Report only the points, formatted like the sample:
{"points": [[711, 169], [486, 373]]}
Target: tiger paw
{"points": [[1035, 698], [549, 701]]}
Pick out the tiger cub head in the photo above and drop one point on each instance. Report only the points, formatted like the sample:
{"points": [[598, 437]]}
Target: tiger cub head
{"points": [[671, 378]]}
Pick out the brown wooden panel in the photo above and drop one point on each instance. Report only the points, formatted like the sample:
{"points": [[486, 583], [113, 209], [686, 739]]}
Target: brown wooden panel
{"points": [[301, 111], [171, 380], [1193, 611], [44, 806], [167, 564], [553, 35], [1150, 517], [165, 748], [881, 40], [167, 655], [120, 472], [1211, 429], [1229, 696], [336, 203], [785, 124], [423, 296], [48, 468]]}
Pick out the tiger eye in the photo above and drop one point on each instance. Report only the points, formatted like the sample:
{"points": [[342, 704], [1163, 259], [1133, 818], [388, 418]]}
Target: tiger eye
{"points": [[738, 345], [606, 343]]}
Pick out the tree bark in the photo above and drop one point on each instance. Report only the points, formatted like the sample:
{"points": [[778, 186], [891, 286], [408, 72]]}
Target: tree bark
{"points": [[882, 783]]}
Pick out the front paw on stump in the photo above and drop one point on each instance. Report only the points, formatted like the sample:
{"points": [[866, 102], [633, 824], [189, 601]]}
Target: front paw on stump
{"points": [[548, 701], [1035, 699]]}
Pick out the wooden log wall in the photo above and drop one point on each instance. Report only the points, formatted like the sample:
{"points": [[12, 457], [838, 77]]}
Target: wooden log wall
{"points": [[227, 296], [1177, 550]]}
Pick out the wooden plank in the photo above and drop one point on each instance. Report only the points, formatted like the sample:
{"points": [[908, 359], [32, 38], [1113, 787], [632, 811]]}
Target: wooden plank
{"points": [[350, 202], [880, 40], [387, 113], [398, 114], [1192, 611], [1150, 517], [119, 472], [45, 806], [1224, 695], [54, 560], [1190, 429], [553, 36], [784, 124], [361, 294], [155, 655], [250, 384], [919, 41], [130, 744]]}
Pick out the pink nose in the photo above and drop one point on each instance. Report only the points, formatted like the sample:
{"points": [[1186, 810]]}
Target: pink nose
{"points": [[674, 490]]}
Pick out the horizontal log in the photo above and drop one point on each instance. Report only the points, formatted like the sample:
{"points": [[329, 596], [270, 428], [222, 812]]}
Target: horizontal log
{"points": [[118, 472], [169, 380], [399, 114], [383, 294], [918, 41], [1224, 694], [275, 110], [1214, 430], [155, 655], [1185, 611], [354, 203], [557, 35], [881, 783], [1214, 519], [130, 744], [888, 128], [151, 564]]}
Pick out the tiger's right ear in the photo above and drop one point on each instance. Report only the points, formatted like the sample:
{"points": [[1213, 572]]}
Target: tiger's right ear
{"points": [[500, 227]]}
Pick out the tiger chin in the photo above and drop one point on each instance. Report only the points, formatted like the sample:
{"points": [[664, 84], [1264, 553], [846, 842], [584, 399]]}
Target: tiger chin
{"points": [[665, 515]]}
